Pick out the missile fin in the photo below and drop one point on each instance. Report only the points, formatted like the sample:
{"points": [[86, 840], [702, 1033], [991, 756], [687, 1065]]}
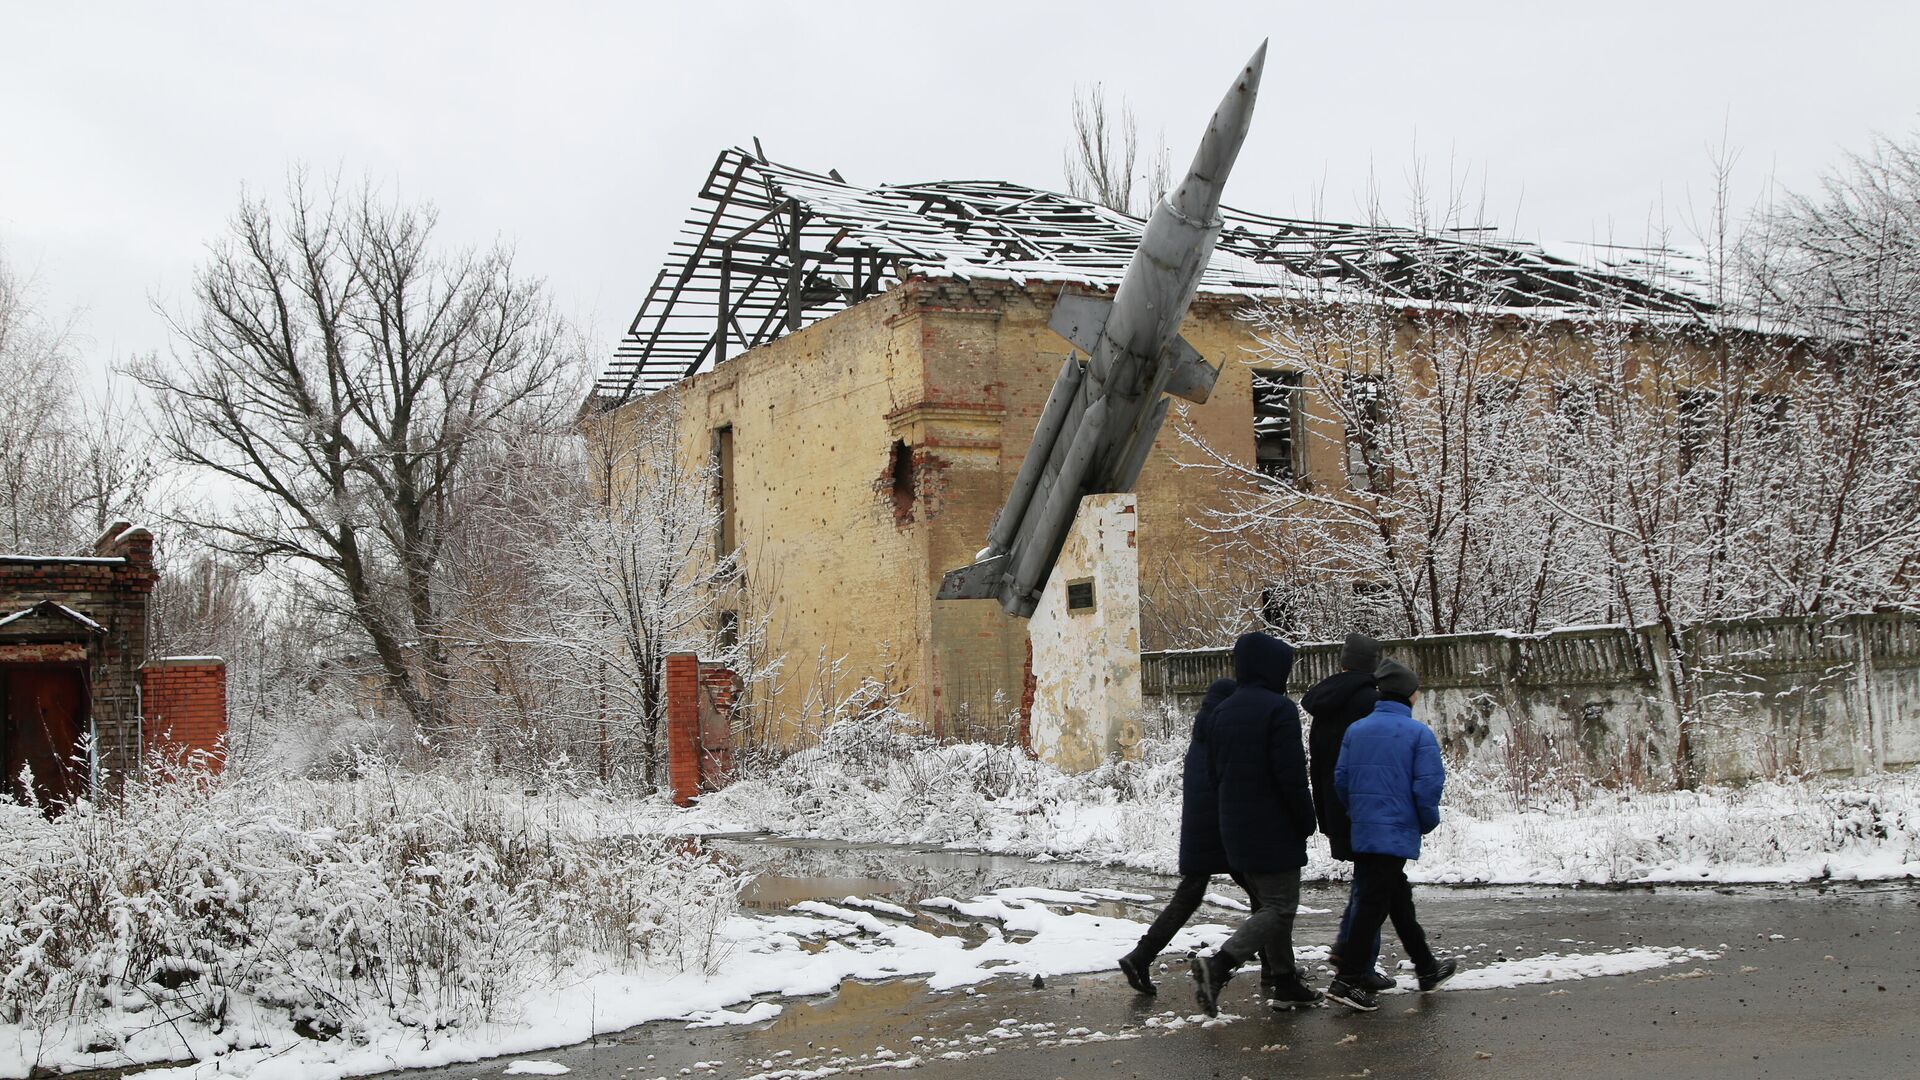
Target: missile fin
{"points": [[1189, 375], [1080, 319], [980, 581]]}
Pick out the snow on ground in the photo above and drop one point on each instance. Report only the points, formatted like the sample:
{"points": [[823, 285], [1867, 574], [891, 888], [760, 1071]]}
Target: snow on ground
{"points": [[320, 930], [1015, 933], [992, 799]]}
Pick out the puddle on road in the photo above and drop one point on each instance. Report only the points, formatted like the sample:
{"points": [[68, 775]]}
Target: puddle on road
{"points": [[791, 871], [770, 891], [787, 872], [852, 1011]]}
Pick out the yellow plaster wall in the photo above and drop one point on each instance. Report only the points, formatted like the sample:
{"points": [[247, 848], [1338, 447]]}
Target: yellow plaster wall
{"points": [[988, 345], [958, 371], [827, 565]]}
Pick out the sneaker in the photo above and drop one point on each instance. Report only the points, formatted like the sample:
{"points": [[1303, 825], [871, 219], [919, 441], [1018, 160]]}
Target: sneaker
{"points": [[1210, 974], [1139, 974], [1376, 981], [1431, 980], [1292, 994], [1358, 998]]}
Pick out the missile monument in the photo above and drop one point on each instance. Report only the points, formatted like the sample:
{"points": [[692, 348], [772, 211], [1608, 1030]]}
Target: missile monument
{"points": [[1100, 420]]}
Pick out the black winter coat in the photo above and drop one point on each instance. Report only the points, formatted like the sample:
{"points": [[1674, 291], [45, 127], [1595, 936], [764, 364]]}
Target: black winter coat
{"points": [[1200, 849], [1334, 703], [1258, 766]]}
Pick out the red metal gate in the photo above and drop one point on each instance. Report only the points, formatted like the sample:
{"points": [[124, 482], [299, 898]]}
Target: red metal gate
{"points": [[43, 712]]}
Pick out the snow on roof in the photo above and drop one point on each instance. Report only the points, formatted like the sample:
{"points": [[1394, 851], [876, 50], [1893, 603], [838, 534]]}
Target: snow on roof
{"points": [[770, 248], [96, 560], [49, 607]]}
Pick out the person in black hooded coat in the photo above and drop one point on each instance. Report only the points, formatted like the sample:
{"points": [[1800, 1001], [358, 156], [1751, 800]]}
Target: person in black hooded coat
{"points": [[1334, 703], [1202, 855], [1259, 770]]}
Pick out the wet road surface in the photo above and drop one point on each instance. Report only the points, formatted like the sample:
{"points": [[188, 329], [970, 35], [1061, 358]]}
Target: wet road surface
{"points": [[1808, 981]]}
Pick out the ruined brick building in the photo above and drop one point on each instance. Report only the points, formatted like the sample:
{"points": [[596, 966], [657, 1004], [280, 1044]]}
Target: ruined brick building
{"points": [[81, 703], [866, 365]]}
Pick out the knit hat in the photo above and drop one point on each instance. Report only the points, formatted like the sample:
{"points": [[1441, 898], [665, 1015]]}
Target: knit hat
{"points": [[1396, 679], [1360, 653]]}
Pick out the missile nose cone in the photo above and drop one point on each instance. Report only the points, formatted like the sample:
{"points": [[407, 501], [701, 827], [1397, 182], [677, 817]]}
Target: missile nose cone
{"points": [[1198, 196]]}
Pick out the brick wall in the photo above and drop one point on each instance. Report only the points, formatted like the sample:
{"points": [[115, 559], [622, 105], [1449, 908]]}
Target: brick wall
{"points": [[185, 711], [111, 588], [717, 685], [683, 727], [699, 722]]}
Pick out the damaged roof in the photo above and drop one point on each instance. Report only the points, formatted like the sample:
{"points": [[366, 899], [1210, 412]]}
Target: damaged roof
{"points": [[770, 248]]}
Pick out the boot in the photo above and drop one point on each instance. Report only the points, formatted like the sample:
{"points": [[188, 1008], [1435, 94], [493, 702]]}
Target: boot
{"points": [[1291, 993], [1210, 975], [1139, 972], [1431, 980], [1376, 980], [1358, 998]]}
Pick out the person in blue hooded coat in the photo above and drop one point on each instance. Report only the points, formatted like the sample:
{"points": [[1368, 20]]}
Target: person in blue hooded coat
{"points": [[1201, 853], [1389, 777], [1258, 766]]}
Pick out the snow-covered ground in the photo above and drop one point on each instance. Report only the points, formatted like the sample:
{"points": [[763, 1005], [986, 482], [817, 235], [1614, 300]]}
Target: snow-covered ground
{"points": [[993, 799], [295, 920], [306, 929], [1018, 933]]}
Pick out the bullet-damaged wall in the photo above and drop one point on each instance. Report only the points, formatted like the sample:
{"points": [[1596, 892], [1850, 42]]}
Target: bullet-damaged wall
{"points": [[832, 561], [869, 455]]}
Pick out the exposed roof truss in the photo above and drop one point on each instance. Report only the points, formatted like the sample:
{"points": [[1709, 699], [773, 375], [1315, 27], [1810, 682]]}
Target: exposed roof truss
{"points": [[770, 248]]}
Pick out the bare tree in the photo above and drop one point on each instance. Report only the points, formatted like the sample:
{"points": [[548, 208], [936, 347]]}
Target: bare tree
{"points": [[596, 553], [652, 574], [36, 403], [1433, 412], [334, 375], [1101, 161], [1842, 266], [70, 462]]}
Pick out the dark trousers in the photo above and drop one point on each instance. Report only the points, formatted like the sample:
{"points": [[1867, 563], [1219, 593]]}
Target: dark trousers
{"points": [[1346, 924], [1268, 932], [1186, 899], [1380, 891]]}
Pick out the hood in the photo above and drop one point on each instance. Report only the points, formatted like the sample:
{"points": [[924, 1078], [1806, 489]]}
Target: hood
{"points": [[1260, 660], [1216, 694], [1332, 693]]}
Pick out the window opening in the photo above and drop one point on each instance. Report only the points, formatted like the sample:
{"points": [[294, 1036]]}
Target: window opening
{"points": [[1277, 425]]}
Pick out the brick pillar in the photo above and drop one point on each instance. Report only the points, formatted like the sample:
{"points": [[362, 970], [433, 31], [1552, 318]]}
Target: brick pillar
{"points": [[683, 727], [184, 710], [716, 736], [1027, 686]]}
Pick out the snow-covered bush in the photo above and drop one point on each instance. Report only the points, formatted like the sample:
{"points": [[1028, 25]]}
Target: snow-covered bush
{"points": [[980, 795], [1557, 825], [427, 901]]}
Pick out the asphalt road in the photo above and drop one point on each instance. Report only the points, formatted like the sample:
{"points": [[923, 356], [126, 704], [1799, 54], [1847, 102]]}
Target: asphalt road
{"points": [[1808, 982]]}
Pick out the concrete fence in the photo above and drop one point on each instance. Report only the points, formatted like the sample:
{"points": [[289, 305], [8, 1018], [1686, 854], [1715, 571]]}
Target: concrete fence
{"points": [[1776, 695]]}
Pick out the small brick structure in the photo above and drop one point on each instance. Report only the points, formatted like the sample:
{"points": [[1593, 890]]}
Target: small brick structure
{"points": [[700, 699], [74, 670], [184, 711]]}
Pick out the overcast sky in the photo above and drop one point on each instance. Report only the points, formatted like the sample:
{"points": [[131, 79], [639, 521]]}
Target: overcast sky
{"points": [[579, 132]]}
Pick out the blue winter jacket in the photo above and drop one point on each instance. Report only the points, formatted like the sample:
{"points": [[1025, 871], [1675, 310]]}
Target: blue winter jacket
{"points": [[1390, 777]]}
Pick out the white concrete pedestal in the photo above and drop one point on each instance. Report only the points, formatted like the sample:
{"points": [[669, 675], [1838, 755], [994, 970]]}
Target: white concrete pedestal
{"points": [[1086, 641]]}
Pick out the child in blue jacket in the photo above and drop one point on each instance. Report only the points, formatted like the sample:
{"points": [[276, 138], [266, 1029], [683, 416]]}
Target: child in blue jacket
{"points": [[1389, 778]]}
